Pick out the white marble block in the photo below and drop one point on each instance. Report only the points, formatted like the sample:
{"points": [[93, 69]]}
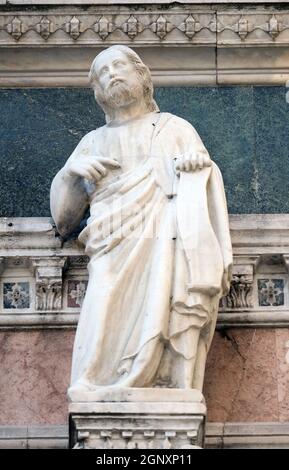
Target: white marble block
{"points": [[138, 419]]}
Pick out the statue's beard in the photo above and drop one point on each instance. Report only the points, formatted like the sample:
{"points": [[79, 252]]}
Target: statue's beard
{"points": [[121, 95]]}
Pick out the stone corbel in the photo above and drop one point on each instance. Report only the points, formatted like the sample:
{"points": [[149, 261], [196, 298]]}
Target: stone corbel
{"points": [[48, 282], [286, 262], [240, 295], [2, 265]]}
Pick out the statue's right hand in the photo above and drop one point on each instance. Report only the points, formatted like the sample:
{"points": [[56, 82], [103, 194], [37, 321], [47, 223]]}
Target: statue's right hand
{"points": [[90, 168]]}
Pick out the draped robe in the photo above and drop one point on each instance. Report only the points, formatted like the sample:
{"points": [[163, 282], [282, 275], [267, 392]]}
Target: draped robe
{"points": [[159, 248]]}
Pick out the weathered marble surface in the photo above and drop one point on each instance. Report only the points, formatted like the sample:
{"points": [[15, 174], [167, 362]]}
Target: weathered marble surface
{"points": [[245, 129], [247, 377]]}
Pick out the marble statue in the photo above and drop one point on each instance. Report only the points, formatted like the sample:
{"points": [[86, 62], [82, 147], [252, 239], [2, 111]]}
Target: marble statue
{"points": [[157, 237]]}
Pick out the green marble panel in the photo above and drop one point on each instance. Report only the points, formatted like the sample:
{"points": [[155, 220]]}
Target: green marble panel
{"points": [[246, 130]]}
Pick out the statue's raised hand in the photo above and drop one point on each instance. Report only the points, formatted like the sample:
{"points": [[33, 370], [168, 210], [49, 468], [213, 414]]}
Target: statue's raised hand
{"points": [[91, 168], [192, 161]]}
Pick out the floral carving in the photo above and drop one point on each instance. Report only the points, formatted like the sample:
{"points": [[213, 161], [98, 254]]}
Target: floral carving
{"points": [[16, 295], [271, 292]]}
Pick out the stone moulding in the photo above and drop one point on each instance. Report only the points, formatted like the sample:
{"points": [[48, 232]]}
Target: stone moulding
{"points": [[43, 279], [186, 44], [218, 436]]}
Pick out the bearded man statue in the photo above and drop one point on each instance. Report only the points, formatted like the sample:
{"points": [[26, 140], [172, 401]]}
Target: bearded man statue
{"points": [[157, 237]]}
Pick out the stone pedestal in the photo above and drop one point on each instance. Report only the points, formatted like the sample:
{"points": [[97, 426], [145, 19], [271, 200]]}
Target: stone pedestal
{"points": [[137, 419]]}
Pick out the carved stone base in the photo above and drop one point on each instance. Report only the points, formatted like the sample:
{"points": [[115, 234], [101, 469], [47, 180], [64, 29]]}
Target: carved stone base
{"points": [[137, 419]]}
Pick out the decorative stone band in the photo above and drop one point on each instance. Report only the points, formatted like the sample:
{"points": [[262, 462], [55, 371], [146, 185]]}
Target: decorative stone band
{"points": [[218, 44], [177, 25], [218, 435], [43, 279]]}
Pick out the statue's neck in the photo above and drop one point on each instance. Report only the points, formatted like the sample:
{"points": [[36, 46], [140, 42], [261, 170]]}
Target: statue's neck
{"points": [[128, 113]]}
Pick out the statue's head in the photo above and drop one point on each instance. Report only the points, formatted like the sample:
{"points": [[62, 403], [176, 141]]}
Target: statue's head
{"points": [[120, 78]]}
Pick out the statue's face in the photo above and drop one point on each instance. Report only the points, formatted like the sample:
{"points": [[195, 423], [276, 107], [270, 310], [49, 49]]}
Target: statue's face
{"points": [[113, 68], [119, 82]]}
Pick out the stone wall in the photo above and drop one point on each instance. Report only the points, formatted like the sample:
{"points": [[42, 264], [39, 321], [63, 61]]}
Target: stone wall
{"points": [[247, 376]]}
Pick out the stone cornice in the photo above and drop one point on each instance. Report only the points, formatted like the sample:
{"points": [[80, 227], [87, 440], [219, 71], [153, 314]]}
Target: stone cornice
{"points": [[183, 44]]}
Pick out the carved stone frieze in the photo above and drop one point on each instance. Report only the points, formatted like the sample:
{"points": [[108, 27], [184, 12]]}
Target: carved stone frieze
{"points": [[248, 26], [41, 275], [252, 27], [105, 24]]}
